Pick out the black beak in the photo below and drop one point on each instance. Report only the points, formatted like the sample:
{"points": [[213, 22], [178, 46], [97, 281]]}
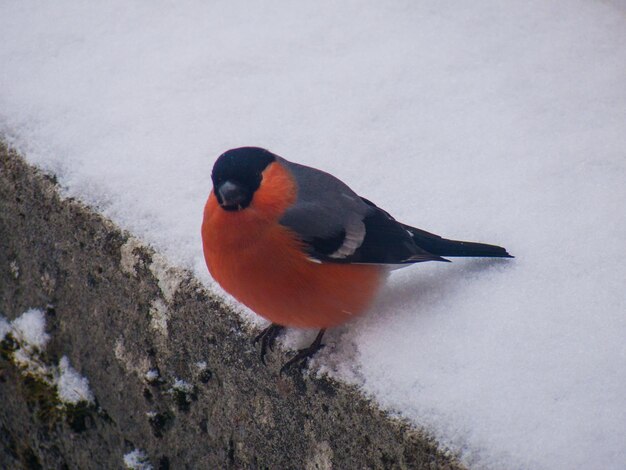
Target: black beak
{"points": [[232, 196]]}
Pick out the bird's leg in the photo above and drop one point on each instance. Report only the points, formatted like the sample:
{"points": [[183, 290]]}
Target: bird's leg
{"points": [[267, 338], [303, 354]]}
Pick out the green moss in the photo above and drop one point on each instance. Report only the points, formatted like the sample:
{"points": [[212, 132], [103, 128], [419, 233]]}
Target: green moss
{"points": [[183, 398], [42, 398], [41, 394], [7, 347]]}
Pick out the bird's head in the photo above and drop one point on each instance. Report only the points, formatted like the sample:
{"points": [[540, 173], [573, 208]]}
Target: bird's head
{"points": [[237, 174]]}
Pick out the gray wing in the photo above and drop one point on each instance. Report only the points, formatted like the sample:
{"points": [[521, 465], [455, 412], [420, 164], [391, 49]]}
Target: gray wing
{"points": [[337, 225]]}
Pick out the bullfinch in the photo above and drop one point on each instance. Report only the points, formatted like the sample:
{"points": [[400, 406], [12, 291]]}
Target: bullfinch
{"points": [[300, 248]]}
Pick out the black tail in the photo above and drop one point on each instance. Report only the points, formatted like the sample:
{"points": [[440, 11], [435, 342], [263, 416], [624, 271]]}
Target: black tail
{"points": [[443, 247]]}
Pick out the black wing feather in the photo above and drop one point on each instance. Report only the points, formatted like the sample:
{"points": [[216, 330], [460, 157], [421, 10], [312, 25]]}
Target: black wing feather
{"points": [[444, 247], [388, 242], [325, 246]]}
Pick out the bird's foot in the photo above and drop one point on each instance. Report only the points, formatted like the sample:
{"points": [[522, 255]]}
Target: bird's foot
{"points": [[268, 338], [303, 355]]}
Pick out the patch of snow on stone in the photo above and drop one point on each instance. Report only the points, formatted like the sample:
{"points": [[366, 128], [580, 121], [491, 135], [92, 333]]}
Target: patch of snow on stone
{"points": [[72, 387], [30, 328], [137, 460], [15, 269], [182, 386], [152, 375], [29, 332]]}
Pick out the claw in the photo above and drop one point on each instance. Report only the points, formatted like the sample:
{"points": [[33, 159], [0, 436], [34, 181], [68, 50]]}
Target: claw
{"points": [[305, 354], [268, 338]]}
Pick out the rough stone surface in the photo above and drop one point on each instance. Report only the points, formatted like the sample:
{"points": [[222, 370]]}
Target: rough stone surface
{"points": [[118, 311]]}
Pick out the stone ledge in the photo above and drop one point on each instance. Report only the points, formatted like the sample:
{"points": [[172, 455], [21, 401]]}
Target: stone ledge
{"points": [[117, 311]]}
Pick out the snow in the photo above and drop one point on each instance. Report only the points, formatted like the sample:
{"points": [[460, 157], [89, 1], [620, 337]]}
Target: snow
{"points": [[152, 375], [30, 329], [491, 121], [182, 386], [137, 460], [71, 386]]}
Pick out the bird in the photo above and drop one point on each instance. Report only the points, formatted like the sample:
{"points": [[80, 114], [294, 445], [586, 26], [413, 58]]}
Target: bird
{"points": [[301, 249]]}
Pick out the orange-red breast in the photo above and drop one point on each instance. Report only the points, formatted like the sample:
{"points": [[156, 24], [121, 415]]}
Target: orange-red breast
{"points": [[300, 248]]}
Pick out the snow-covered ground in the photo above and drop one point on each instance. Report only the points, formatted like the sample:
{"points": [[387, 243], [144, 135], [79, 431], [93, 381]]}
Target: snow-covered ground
{"points": [[502, 122]]}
